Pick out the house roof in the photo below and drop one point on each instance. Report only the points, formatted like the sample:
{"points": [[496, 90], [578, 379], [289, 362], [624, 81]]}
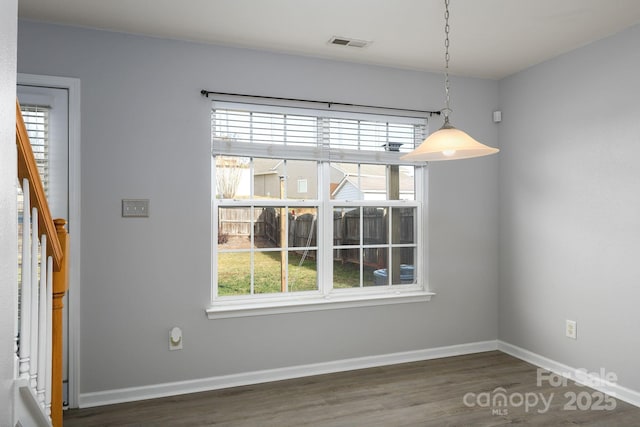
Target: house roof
{"points": [[374, 184], [266, 166]]}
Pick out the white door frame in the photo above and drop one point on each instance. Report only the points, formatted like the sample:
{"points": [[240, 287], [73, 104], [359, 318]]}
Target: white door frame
{"points": [[73, 87]]}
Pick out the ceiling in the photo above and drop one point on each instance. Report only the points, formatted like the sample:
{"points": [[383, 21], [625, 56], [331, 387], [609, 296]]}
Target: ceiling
{"points": [[489, 38]]}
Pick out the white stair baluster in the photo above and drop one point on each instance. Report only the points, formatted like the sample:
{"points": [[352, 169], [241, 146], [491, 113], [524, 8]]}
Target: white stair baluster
{"points": [[33, 367], [42, 322], [49, 346], [25, 299]]}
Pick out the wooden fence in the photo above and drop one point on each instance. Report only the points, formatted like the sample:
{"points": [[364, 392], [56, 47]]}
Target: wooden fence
{"points": [[346, 231]]}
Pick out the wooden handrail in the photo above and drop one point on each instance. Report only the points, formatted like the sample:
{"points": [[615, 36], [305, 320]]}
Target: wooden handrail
{"points": [[27, 168]]}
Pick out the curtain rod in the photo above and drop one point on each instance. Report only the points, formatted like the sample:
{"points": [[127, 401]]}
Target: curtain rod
{"points": [[206, 93]]}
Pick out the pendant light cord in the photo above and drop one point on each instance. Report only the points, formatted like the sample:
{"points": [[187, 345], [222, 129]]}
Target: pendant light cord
{"points": [[447, 84]]}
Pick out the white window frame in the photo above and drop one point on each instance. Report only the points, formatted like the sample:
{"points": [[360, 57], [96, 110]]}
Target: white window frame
{"points": [[326, 297]]}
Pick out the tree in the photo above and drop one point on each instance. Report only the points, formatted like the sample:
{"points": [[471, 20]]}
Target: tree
{"points": [[228, 175]]}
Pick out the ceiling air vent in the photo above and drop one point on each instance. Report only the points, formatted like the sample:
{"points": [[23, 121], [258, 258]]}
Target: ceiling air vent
{"points": [[344, 41]]}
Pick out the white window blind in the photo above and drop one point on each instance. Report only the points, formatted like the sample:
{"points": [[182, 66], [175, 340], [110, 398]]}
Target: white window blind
{"points": [[36, 120], [329, 135]]}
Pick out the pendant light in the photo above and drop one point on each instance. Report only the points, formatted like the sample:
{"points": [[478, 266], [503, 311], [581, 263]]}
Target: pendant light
{"points": [[448, 143]]}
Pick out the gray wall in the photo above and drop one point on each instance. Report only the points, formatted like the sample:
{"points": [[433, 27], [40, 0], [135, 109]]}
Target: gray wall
{"points": [[145, 133], [570, 207], [8, 219]]}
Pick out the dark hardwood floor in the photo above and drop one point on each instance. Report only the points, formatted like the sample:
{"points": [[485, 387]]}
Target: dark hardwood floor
{"points": [[454, 391]]}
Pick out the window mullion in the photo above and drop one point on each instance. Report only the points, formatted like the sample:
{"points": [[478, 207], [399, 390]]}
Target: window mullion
{"points": [[284, 219], [252, 214], [361, 261], [421, 230], [214, 232], [324, 235]]}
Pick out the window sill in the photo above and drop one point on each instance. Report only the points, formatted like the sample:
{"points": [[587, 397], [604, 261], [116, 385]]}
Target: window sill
{"points": [[230, 309]]}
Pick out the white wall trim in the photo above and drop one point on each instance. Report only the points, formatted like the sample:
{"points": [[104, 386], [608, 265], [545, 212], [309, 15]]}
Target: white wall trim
{"points": [[574, 374], [234, 380], [73, 298]]}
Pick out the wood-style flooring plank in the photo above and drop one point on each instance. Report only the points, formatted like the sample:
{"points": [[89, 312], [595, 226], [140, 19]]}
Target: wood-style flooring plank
{"points": [[428, 393]]}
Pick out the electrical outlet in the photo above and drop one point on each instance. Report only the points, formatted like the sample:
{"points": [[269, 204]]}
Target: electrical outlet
{"points": [[571, 329], [175, 338]]}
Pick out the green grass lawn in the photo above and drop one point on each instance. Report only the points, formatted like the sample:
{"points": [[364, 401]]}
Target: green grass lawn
{"points": [[234, 273]]}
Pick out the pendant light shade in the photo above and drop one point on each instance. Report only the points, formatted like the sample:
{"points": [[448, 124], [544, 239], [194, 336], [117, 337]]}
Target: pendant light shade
{"points": [[448, 143]]}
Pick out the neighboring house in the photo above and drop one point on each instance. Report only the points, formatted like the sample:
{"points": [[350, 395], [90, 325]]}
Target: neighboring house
{"points": [[345, 184], [300, 183], [371, 184], [234, 179], [372, 187]]}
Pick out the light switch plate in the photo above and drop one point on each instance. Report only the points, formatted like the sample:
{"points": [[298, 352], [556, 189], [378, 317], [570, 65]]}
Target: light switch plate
{"points": [[136, 208]]}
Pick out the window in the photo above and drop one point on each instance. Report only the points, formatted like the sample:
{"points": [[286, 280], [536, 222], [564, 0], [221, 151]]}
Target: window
{"points": [[36, 120], [302, 185], [313, 207]]}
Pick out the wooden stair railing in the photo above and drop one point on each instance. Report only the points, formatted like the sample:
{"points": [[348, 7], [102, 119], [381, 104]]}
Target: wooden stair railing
{"points": [[57, 247]]}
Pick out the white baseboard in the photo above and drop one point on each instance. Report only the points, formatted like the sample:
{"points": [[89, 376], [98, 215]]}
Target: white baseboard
{"points": [[131, 394], [574, 374]]}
